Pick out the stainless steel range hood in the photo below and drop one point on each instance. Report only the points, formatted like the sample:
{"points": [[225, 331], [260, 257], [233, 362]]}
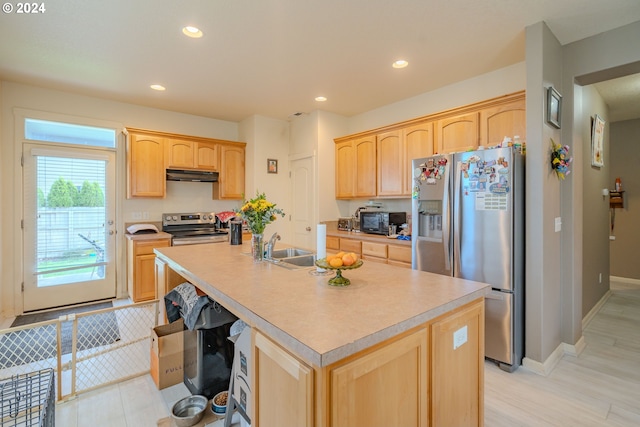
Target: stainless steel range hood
{"points": [[191, 175]]}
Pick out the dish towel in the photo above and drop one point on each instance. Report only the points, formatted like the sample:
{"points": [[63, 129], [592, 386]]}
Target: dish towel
{"points": [[183, 301]]}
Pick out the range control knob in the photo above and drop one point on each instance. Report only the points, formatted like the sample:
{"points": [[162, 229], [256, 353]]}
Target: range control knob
{"points": [[168, 218], [175, 217]]}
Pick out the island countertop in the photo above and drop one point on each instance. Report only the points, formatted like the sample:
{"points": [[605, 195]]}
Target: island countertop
{"points": [[319, 323]]}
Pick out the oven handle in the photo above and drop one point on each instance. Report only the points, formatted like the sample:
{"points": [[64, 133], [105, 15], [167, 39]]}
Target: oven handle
{"points": [[195, 241]]}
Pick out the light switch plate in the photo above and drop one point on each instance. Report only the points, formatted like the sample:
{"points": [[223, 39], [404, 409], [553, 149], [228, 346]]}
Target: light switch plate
{"points": [[460, 337], [558, 224]]}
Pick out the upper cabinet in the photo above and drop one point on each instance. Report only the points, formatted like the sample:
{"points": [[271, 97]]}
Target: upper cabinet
{"points": [[386, 171], [150, 153], [509, 119], [355, 168], [459, 133], [145, 165], [184, 154], [230, 185]]}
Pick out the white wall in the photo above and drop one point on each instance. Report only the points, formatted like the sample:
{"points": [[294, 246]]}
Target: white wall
{"points": [[268, 139], [181, 196]]}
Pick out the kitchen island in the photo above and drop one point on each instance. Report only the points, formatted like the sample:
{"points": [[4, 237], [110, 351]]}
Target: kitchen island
{"points": [[396, 347]]}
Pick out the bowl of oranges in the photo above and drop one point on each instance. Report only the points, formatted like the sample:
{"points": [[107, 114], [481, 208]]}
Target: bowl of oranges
{"points": [[338, 262]]}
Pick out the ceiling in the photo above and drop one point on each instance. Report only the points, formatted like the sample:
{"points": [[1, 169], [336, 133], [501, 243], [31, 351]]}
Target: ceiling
{"points": [[273, 57]]}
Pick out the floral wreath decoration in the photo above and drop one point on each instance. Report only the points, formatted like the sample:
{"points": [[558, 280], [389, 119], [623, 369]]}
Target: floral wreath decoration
{"points": [[560, 159]]}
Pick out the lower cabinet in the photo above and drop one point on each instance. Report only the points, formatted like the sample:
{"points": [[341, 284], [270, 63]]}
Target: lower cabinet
{"points": [[141, 280], [432, 375], [284, 385], [394, 254], [387, 387]]}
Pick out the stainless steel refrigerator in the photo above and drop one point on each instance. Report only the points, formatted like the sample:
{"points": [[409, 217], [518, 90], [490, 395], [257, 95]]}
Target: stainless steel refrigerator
{"points": [[468, 222]]}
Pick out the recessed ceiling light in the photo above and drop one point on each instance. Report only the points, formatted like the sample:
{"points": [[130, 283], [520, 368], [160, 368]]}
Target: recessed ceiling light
{"points": [[192, 32], [158, 87], [400, 63], [321, 98]]}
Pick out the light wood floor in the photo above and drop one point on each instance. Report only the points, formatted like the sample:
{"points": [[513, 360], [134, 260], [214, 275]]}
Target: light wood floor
{"points": [[601, 387]]}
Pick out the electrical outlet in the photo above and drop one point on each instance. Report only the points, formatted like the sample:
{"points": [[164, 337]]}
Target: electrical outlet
{"points": [[145, 215], [558, 224], [136, 215]]}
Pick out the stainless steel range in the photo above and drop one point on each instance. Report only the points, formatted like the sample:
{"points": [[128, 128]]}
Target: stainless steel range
{"points": [[193, 228]]}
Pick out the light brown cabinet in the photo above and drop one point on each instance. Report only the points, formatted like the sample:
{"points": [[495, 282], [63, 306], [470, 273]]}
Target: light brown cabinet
{"points": [[355, 168], [508, 119], [385, 252], [284, 386], [390, 164], [387, 387], [431, 375], [374, 251], [185, 154], [230, 184], [145, 165], [141, 279], [457, 368], [459, 133], [150, 153], [466, 128]]}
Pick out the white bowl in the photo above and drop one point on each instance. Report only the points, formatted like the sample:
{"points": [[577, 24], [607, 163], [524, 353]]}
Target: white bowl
{"points": [[219, 409]]}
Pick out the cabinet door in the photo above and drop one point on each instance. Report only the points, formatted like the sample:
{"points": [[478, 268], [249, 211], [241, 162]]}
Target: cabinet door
{"points": [[333, 243], [459, 133], [345, 170], [284, 387], [503, 120], [179, 154], [457, 368], [385, 388], [391, 179], [231, 181], [399, 255], [146, 171], [365, 149], [377, 250], [206, 156], [144, 277], [349, 245], [418, 143]]}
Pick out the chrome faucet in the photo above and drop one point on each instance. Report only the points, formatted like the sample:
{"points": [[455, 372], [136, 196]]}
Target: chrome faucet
{"points": [[272, 244]]}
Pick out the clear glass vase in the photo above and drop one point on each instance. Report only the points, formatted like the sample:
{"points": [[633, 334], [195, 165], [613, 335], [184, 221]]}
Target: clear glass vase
{"points": [[257, 247]]}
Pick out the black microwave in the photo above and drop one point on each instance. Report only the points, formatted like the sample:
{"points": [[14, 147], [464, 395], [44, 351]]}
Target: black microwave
{"points": [[377, 222]]}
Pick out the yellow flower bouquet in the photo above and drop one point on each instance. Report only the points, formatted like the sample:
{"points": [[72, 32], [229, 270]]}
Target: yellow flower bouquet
{"points": [[258, 213]]}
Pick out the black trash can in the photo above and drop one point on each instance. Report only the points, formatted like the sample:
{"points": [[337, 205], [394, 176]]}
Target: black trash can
{"points": [[208, 354]]}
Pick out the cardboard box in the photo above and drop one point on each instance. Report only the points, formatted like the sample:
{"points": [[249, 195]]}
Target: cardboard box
{"points": [[167, 354], [242, 365]]}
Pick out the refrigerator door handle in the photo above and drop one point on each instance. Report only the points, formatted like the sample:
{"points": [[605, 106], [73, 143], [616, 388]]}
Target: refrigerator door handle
{"points": [[456, 218], [446, 226]]}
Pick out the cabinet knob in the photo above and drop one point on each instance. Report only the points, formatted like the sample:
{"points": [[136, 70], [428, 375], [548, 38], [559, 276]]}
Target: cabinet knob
{"points": [[308, 228]]}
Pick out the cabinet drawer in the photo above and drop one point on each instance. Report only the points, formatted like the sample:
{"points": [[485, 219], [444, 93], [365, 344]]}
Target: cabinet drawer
{"points": [[374, 249], [147, 247], [333, 243], [348, 245], [400, 253]]}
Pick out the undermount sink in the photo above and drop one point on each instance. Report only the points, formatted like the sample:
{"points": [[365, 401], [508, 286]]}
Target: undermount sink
{"points": [[289, 252], [297, 261]]}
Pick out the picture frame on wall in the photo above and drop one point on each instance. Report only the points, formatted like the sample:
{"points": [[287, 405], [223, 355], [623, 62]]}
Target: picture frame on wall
{"points": [[554, 107], [272, 166], [597, 142]]}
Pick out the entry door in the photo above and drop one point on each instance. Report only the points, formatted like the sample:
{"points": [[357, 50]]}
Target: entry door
{"points": [[69, 230], [302, 190]]}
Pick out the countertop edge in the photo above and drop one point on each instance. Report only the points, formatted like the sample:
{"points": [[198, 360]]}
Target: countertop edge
{"points": [[303, 351]]}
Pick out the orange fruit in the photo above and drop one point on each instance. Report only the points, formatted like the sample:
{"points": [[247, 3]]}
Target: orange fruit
{"points": [[348, 260], [336, 262], [330, 257], [354, 256], [340, 254]]}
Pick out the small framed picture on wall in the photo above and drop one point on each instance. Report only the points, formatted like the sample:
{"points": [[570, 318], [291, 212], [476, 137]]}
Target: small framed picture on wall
{"points": [[597, 142], [554, 107], [272, 166]]}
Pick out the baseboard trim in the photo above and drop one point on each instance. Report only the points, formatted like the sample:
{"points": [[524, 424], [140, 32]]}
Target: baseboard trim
{"points": [[586, 319], [544, 368], [624, 280], [576, 349]]}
